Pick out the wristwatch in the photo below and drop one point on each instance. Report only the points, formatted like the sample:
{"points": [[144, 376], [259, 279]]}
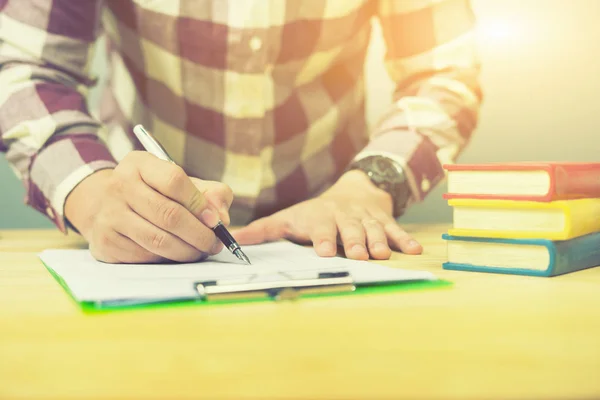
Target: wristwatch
{"points": [[387, 175]]}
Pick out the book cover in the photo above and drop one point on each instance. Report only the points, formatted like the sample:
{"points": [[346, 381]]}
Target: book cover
{"points": [[534, 257], [533, 181], [556, 220]]}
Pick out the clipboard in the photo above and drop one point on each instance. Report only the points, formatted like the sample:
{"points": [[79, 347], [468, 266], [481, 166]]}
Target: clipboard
{"points": [[247, 289], [284, 288]]}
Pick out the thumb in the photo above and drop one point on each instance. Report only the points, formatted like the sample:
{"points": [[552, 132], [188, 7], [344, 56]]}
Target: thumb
{"points": [[262, 230], [218, 195]]}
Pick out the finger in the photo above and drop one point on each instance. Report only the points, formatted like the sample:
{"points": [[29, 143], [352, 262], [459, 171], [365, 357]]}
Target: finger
{"points": [[218, 195], [156, 240], [262, 230], [353, 237], [171, 181], [376, 239], [129, 252], [115, 248], [323, 234], [109, 246], [397, 237], [170, 216]]}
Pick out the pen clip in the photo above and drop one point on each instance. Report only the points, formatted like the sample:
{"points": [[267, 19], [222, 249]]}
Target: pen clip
{"points": [[151, 144]]}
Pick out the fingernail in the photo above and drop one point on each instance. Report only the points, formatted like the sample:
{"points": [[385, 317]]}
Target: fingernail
{"points": [[224, 208], [209, 218], [379, 247], [358, 248], [413, 243], [224, 211], [326, 247]]}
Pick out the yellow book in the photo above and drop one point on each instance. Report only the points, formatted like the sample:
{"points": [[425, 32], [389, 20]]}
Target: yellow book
{"points": [[555, 220]]}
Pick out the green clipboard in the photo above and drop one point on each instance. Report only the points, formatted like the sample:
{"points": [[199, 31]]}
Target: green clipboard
{"points": [[327, 285]]}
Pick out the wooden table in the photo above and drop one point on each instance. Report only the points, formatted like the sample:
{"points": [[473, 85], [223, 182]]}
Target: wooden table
{"points": [[490, 336]]}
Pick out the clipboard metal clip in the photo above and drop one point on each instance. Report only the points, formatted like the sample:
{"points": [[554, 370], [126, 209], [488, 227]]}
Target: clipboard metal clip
{"points": [[285, 288]]}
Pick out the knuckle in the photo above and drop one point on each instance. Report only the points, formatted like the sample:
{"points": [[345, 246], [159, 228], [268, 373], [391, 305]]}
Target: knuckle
{"points": [[227, 191], [285, 226], [284, 229], [371, 223], [198, 201], [104, 242], [352, 232], [176, 178], [352, 224], [340, 215], [157, 240], [170, 214]]}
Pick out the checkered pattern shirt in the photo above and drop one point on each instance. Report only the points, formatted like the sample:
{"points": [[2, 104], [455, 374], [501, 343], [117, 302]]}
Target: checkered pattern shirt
{"points": [[266, 96]]}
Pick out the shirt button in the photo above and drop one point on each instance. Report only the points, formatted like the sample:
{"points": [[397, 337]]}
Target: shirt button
{"points": [[255, 43], [50, 213], [425, 185]]}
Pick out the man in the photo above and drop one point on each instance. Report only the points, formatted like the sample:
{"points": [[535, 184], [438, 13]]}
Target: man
{"points": [[261, 100]]}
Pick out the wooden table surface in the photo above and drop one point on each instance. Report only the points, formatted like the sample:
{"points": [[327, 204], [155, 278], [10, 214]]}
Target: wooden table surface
{"points": [[489, 336]]}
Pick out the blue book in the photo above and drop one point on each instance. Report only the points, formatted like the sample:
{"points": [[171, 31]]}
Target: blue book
{"points": [[535, 257]]}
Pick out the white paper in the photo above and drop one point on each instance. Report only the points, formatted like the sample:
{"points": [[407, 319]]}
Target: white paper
{"points": [[91, 280]]}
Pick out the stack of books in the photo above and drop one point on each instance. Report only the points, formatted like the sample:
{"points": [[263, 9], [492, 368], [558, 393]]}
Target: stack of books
{"points": [[540, 219]]}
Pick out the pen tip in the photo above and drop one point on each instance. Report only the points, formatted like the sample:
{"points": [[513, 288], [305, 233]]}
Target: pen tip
{"points": [[240, 254]]}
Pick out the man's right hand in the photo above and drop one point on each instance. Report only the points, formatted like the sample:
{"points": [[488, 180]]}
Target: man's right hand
{"points": [[148, 210]]}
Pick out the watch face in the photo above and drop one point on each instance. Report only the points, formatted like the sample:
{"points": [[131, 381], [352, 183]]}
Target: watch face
{"points": [[384, 173], [381, 169], [385, 169]]}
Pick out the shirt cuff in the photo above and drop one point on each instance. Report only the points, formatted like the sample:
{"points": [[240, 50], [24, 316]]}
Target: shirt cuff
{"points": [[59, 168], [417, 155]]}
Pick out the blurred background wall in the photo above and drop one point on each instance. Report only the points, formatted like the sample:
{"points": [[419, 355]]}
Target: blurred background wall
{"points": [[541, 80]]}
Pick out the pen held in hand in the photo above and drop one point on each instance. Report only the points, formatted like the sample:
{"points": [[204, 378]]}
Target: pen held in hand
{"points": [[228, 240], [153, 146]]}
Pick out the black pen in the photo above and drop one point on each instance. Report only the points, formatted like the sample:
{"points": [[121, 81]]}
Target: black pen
{"points": [[152, 146]]}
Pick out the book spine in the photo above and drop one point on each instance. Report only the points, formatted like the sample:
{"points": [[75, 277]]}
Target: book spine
{"points": [[575, 182], [581, 217], [576, 254]]}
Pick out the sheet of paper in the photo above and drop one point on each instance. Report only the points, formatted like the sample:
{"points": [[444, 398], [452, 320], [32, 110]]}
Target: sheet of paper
{"points": [[90, 280]]}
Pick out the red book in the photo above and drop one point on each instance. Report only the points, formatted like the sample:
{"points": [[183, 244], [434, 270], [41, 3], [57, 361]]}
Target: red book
{"points": [[533, 181]]}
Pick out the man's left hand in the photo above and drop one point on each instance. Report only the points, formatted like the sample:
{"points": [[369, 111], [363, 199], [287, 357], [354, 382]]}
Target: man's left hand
{"points": [[353, 212]]}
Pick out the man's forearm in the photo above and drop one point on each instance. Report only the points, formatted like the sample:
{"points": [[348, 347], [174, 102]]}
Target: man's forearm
{"points": [[50, 138], [432, 58]]}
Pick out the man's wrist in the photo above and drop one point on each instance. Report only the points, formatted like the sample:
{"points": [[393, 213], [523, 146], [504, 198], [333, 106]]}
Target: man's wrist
{"points": [[387, 174], [357, 183], [84, 200]]}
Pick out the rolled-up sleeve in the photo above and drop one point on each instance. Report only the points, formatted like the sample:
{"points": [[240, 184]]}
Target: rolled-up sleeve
{"points": [[50, 139], [432, 58]]}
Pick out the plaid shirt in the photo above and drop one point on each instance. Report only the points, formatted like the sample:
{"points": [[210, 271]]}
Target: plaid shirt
{"points": [[266, 96]]}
